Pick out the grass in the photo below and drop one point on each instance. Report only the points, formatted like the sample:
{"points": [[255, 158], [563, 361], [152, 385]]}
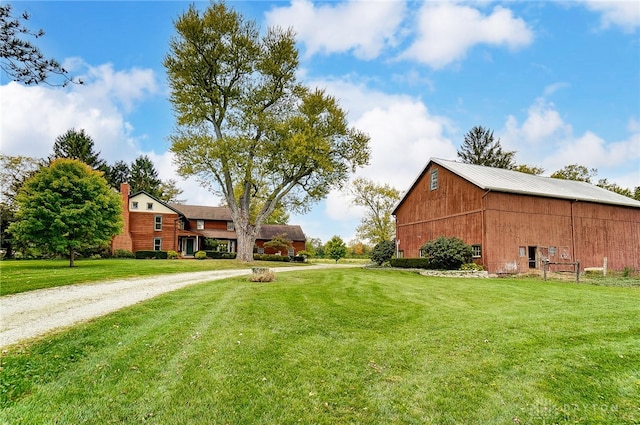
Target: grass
{"points": [[342, 346], [27, 275]]}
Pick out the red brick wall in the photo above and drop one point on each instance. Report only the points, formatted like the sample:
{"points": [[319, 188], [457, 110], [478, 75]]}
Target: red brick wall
{"points": [[143, 233], [123, 240]]}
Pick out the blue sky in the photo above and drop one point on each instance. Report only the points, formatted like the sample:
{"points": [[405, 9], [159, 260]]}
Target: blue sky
{"points": [[558, 82]]}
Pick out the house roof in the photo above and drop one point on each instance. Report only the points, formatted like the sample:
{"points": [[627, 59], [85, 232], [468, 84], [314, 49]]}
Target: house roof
{"points": [[509, 181], [198, 212], [293, 232]]}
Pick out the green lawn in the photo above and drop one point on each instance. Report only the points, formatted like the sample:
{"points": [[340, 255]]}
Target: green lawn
{"points": [[27, 275], [347, 346]]}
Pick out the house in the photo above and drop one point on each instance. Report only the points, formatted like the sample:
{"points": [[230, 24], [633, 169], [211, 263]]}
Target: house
{"points": [[516, 221], [151, 224]]}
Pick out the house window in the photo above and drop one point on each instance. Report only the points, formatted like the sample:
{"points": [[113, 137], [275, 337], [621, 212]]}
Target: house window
{"points": [[200, 224], [158, 222], [291, 252], [477, 251], [260, 250], [134, 205], [230, 226], [434, 179], [157, 244], [149, 206], [181, 225]]}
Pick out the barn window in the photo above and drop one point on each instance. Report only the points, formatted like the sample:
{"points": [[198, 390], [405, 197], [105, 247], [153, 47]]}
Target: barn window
{"points": [[522, 251], [158, 222], [157, 244], [434, 179], [477, 251], [552, 251]]}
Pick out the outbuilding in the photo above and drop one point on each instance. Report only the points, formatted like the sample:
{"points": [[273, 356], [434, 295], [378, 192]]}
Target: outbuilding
{"points": [[515, 221]]}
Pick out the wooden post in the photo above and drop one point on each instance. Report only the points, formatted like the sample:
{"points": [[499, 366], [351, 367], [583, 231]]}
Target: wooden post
{"points": [[577, 271]]}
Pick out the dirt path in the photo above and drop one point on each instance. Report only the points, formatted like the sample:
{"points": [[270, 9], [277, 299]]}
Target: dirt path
{"points": [[30, 314]]}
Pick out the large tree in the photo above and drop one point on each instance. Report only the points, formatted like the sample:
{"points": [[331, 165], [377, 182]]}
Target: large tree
{"points": [[144, 176], [65, 207], [20, 59], [78, 145], [246, 128], [378, 200], [480, 147]]}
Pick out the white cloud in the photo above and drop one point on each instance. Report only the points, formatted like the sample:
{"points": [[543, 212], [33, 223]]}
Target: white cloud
{"points": [[448, 30], [622, 13], [545, 139], [32, 117], [363, 27]]}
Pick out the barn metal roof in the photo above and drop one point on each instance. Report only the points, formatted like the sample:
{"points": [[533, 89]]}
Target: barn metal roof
{"points": [[501, 180]]}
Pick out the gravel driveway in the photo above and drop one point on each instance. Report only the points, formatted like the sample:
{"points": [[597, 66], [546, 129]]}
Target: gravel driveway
{"points": [[30, 314]]}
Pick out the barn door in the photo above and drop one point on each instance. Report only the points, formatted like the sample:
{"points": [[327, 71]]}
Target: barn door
{"points": [[532, 256]]}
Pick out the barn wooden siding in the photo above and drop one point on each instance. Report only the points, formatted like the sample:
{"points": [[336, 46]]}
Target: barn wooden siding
{"points": [[510, 226]]}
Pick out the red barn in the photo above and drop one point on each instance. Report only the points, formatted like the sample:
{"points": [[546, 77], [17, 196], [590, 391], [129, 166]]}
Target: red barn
{"points": [[515, 221], [151, 224]]}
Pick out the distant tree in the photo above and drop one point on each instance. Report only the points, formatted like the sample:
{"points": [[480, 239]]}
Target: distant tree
{"points": [[118, 173], [170, 192], [21, 60], [529, 169], [335, 248], [145, 177], [14, 171], [65, 207], [378, 200], [480, 148], [314, 247], [604, 183], [246, 127], [383, 252], [575, 172], [279, 243], [78, 145]]}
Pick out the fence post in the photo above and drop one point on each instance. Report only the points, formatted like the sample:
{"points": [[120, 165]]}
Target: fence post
{"points": [[577, 271]]}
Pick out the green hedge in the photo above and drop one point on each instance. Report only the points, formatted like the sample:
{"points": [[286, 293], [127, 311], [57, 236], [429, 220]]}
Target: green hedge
{"points": [[146, 254], [411, 263], [271, 257], [216, 255]]}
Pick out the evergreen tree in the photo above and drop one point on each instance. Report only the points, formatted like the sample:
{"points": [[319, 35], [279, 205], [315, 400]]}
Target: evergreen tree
{"points": [[77, 145], [480, 147]]}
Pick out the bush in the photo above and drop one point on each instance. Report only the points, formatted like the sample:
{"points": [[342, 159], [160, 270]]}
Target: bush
{"points": [[382, 252], [172, 255], [271, 257], [410, 263], [299, 258], [229, 256], [447, 253], [200, 255], [146, 254], [123, 253]]}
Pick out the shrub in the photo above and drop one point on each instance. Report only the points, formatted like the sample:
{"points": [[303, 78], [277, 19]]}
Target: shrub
{"points": [[299, 258], [229, 256], [172, 255], [447, 253], [262, 275], [123, 253], [146, 254], [271, 257], [200, 255], [410, 263], [472, 266], [382, 252]]}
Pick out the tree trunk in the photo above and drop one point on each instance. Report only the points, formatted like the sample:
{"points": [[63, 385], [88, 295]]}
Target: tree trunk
{"points": [[246, 240], [71, 254]]}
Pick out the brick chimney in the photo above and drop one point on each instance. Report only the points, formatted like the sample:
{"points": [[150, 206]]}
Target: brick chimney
{"points": [[123, 240]]}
